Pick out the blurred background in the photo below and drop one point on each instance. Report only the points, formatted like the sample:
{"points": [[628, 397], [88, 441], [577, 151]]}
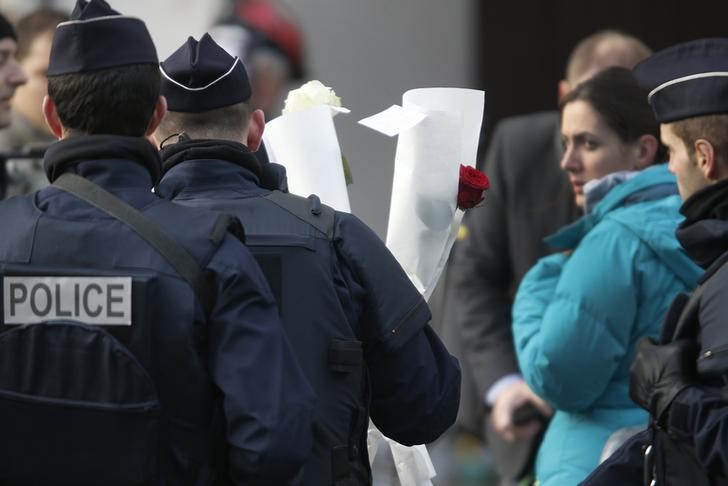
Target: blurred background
{"points": [[370, 52]]}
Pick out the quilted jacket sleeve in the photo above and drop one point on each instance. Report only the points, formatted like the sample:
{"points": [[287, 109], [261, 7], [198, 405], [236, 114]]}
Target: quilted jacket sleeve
{"points": [[573, 318]]}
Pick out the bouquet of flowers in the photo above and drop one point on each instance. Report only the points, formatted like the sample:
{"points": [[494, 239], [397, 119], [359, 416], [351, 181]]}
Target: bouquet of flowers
{"points": [[303, 139], [430, 190], [434, 183]]}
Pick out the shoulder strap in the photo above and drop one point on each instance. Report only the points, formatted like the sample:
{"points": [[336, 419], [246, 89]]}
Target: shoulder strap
{"points": [[308, 209], [177, 256]]}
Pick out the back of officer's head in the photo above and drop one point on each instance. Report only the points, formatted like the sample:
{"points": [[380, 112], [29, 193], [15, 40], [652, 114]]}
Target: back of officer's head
{"points": [[103, 76], [207, 92]]}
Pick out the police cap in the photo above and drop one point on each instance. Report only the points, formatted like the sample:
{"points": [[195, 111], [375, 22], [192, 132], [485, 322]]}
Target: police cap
{"points": [[202, 76], [98, 37], [687, 80]]}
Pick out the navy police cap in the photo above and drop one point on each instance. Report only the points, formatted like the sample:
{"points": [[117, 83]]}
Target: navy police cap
{"points": [[687, 80], [98, 37], [202, 76]]}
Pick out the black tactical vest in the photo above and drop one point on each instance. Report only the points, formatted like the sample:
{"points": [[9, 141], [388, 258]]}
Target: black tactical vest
{"points": [[292, 240], [115, 348]]}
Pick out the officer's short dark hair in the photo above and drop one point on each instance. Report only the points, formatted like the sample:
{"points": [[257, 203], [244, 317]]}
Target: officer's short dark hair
{"points": [[114, 101], [713, 128], [227, 123]]}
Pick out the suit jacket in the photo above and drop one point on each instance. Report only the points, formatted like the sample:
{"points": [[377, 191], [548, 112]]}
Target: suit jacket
{"points": [[529, 198]]}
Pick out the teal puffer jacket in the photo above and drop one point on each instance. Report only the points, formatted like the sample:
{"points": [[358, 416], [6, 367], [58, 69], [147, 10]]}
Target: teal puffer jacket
{"points": [[578, 315]]}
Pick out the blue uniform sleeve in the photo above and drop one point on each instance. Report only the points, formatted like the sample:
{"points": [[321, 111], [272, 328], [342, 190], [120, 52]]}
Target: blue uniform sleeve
{"points": [[575, 314], [700, 416], [415, 382], [625, 466], [268, 402], [415, 390], [394, 311]]}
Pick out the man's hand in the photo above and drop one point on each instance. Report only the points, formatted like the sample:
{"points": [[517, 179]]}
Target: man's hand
{"points": [[659, 372], [508, 401]]}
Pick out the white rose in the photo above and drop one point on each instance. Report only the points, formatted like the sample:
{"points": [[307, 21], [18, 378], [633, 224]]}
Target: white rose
{"points": [[313, 93]]}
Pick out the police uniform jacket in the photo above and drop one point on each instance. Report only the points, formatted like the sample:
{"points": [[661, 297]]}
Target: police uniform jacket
{"points": [[697, 416], [356, 293], [235, 405]]}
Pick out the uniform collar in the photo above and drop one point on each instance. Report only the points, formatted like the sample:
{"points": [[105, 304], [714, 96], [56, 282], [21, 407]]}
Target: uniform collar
{"points": [[209, 177], [197, 149], [704, 233], [76, 154]]}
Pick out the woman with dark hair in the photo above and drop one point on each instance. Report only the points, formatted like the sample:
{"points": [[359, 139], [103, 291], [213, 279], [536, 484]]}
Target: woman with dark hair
{"points": [[579, 313]]}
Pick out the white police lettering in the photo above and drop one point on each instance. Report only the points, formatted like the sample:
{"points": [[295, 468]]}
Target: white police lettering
{"points": [[92, 300]]}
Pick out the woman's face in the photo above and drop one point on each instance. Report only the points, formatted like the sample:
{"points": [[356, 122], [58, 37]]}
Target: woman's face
{"points": [[591, 148]]}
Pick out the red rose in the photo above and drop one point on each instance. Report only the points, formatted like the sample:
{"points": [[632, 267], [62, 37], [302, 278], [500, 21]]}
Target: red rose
{"points": [[471, 187]]}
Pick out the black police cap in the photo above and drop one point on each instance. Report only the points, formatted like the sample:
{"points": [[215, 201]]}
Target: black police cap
{"points": [[687, 80], [202, 76], [98, 37]]}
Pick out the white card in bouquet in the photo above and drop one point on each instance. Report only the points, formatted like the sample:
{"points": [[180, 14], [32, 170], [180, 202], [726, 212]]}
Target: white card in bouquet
{"points": [[393, 120]]}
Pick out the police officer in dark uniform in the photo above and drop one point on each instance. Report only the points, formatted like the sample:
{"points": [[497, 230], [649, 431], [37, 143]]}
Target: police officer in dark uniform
{"points": [[153, 352], [359, 327], [682, 380]]}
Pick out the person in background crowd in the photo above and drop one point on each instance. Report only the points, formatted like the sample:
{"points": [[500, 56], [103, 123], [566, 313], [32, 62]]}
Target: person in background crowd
{"points": [[359, 327], [11, 77], [156, 354], [681, 381], [530, 198], [579, 313], [28, 131], [268, 41]]}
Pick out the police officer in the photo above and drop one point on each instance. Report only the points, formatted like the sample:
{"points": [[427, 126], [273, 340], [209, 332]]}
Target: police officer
{"points": [[359, 327], [154, 353], [681, 382]]}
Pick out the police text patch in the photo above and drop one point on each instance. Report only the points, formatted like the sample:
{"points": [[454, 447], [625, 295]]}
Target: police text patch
{"points": [[92, 300]]}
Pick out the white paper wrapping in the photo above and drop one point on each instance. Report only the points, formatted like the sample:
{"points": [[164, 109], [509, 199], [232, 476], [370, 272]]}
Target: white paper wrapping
{"points": [[423, 219], [423, 216], [413, 464], [305, 142]]}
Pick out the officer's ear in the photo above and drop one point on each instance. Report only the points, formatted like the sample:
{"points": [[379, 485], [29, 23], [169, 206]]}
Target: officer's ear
{"points": [[706, 161], [160, 109], [256, 125], [51, 117]]}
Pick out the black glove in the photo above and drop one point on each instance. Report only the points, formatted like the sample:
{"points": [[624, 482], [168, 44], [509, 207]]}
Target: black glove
{"points": [[659, 372]]}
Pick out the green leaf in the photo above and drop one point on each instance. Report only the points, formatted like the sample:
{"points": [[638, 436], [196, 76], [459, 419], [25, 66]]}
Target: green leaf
{"points": [[347, 170]]}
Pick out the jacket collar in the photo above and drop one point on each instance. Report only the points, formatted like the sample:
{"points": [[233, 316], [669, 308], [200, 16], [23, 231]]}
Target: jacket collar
{"points": [[77, 154], [208, 177], [704, 233], [194, 166], [652, 183], [197, 149]]}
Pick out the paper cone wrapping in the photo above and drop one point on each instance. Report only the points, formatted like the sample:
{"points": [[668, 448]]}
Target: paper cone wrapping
{"points": [[423, 217], [305, 143]]}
